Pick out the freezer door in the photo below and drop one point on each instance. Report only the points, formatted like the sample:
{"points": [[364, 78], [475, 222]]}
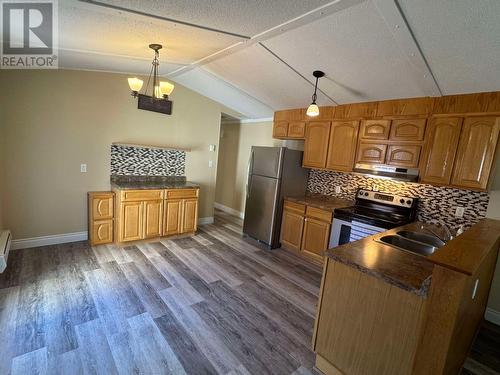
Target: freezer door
{"points": [[261, 206], [266, 161]]}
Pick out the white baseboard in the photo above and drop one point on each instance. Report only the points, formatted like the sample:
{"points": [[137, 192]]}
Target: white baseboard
{"points": [[229, 210], [492, 316], [26, 243], [206, 220]]}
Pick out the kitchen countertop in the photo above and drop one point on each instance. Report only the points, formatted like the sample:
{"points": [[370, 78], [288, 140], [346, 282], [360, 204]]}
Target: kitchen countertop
{"points": [[413, 272], [151, 183], [323, 202]]}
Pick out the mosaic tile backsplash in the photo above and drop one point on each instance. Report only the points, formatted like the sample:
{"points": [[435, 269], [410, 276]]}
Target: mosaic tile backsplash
{"points": [[435, 203], [144, 161]]}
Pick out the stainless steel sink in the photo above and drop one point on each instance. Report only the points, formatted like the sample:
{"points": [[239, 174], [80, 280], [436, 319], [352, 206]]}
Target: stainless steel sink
{"points": [[407, 244], [422, 237]]}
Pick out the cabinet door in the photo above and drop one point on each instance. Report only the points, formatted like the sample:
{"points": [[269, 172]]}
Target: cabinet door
{"points": [[153, 218], [440, 149], [371, 153], [280, 129], [291, 230], [476, 152], [375, 129], [315, 238], [342, 146], [173, 216], [102, 232], [296, 129], [408, 130], [316, 144], [189, 215], [131, 221], [102, 207], [403, 155]]}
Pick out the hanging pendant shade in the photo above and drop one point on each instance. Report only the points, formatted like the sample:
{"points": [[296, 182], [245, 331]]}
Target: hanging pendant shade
{"points": [[313, 109]]}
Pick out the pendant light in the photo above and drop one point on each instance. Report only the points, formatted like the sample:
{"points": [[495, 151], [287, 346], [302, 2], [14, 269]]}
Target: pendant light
{"points": [[313, 109], [160, 90]]}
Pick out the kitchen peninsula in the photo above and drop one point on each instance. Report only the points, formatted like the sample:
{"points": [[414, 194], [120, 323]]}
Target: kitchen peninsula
{"points": [[383, 310]]}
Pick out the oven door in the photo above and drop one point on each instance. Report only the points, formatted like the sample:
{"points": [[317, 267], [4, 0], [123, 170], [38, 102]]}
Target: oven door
{"points": [[361, 230], [341, 232]]}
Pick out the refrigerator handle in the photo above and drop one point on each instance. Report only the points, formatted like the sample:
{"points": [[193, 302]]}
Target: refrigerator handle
{"points": [[249, 173]]}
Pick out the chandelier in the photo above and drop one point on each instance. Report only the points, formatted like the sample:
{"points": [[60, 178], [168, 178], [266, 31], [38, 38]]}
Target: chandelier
{"points": [[160, 90]]}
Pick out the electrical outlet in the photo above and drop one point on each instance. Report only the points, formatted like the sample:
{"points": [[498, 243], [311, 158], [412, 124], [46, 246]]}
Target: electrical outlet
{"points": [[459, 211], [211, 148], [83, 168], [210, 164], [337, 189]]}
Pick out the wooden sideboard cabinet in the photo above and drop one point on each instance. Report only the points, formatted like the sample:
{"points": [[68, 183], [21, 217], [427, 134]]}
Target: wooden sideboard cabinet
{"points": [[143, 214], [306, 230], [101, 214]]}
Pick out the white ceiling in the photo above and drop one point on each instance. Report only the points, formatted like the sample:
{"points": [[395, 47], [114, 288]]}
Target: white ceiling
{"points": [[257, 56]]}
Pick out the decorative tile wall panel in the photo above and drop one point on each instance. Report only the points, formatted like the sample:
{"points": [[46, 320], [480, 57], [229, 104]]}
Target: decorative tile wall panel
{"points": [[144, 161], [435, 203]]}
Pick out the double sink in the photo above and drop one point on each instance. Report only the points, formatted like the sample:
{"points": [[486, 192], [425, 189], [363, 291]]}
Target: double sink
{"points": [[415, 242]]}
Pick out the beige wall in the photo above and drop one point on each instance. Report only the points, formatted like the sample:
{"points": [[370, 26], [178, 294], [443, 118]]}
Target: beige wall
{"points": [[234, 151], [2, 179], [55, 120], [494, 213]]}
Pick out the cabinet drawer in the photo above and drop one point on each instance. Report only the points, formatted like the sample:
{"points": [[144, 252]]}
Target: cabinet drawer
{"points": [[319, 214], [101, 205], [141, 195], [101, 232], [181, 193], [295, 207]]}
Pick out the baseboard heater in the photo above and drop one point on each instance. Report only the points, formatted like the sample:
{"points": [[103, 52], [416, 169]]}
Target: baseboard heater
{"points": [[5, 240]]}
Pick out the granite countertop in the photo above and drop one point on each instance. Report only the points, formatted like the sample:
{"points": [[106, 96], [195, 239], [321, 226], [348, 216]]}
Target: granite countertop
{"points": [[321, 201], [151, 183], [403, 269]]}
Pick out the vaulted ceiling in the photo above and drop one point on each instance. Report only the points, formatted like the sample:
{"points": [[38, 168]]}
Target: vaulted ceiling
{"points": [[257, 56]]}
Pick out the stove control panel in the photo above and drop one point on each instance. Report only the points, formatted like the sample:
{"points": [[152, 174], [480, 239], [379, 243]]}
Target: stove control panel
{"points": [[387, 198]]}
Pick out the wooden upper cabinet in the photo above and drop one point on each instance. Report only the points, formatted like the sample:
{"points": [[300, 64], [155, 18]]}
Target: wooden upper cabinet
{"points": [[280, 129], [403, 155], [408, 130], [342, 145], [375, 129], [476, 152], [316, 144], [371, 153], [296, 129], [440, 149]]}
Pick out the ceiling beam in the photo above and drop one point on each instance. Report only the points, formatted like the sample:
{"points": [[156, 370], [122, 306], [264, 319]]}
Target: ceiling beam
{"points": [[311, 16], [155, 16], [406, 41]]}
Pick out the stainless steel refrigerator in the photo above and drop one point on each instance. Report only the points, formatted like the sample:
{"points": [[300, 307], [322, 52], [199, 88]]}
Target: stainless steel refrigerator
{"points": [[273, 173]]}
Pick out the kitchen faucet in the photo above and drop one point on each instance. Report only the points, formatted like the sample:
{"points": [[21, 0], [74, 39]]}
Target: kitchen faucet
{"points": [[442, 225]]}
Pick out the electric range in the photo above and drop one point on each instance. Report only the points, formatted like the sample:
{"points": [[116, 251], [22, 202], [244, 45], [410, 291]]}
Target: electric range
{"points": [[373, 212]]}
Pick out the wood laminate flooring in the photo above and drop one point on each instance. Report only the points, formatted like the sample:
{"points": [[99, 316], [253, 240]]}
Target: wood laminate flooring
{"points": [[213, 303]]}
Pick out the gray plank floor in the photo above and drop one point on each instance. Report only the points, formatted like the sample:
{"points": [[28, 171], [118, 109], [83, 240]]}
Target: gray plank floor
{"points": [[214, 303]]}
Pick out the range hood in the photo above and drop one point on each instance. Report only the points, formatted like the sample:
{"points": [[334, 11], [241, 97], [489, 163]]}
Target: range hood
{"points": [[387, 172]]}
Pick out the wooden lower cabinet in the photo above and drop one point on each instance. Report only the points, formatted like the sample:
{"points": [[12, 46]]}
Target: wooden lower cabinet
{"points": [[141, 219], [315, 238], [306, 230], [131, 221], [101, 217], [291, 230]]}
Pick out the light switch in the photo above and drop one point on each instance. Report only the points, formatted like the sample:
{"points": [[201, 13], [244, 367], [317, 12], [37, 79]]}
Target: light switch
{"points": [[83, 168], [210, 164], [211, 148]]}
